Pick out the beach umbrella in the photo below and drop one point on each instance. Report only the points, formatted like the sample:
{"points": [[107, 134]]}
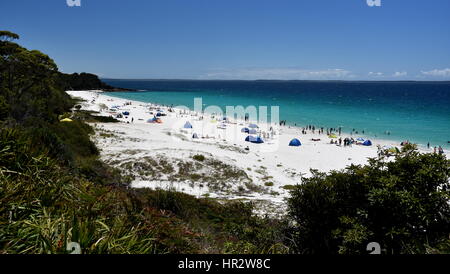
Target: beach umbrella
{"points": [[360, 139], [66, 120], [295, 142], [252, 131], [245, 129], [126, 113], [253, 126], [332, 136], [187, 125]]}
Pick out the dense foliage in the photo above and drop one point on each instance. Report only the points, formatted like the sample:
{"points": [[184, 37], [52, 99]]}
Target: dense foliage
{"points": [[28, 84], [82, 81], [403, 204]]}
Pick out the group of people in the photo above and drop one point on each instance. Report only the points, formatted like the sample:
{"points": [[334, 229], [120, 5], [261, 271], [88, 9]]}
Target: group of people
{"points": [[439, 150], [346, 141], [321, 130], [436, 149]]}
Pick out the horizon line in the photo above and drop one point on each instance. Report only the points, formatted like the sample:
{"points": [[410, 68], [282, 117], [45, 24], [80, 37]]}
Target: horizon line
{"points": [[268, 80]]}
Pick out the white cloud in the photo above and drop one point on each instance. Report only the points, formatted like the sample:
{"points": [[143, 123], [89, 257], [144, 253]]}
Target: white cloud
{"points": [[279, 74], [376, 74], [400, 74], [437, 72]]}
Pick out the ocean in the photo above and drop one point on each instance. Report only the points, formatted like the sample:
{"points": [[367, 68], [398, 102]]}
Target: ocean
{"points": [[414, 111]]}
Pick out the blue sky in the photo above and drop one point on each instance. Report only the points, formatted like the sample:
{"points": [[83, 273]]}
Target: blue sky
{"points": [[239, 39]]}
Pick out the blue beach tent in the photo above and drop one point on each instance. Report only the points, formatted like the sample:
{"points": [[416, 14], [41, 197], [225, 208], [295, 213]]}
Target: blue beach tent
{"points": [[252, 131], [245, 130], [258, 140], [367, 143], [295, 142], [187, 125], [253, 139]]}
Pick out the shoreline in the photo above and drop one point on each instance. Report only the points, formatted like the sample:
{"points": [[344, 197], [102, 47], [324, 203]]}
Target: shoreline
{"points": [[162, 155], [298, 127]]}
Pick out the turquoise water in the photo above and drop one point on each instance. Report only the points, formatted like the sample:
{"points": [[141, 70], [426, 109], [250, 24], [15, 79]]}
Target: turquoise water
{"points": [[414, 111]]}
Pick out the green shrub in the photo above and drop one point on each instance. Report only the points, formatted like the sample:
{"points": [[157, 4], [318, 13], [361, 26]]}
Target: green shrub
{"points": [[199, 157], [403, 205], [288, 187]]}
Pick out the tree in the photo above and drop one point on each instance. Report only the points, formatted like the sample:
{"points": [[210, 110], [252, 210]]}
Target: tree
{"points": [[29, 83], [8, 36]]}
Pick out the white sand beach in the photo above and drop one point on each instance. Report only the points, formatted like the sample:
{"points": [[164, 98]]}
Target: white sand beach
{"points": [[160, 155]]}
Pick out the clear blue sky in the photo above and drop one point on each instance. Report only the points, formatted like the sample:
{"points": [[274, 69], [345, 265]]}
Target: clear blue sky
{"points": [[239, 39]]}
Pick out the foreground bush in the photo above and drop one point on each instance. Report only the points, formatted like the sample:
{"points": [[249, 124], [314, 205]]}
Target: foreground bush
{"points": [[44, 205], [401, 204]]}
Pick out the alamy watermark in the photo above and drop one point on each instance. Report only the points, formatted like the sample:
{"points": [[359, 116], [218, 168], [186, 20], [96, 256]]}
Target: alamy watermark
{"points": [[77, 3], [374, 248], [235, 124], [74, 248], [73, 3], [373, 3]]}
